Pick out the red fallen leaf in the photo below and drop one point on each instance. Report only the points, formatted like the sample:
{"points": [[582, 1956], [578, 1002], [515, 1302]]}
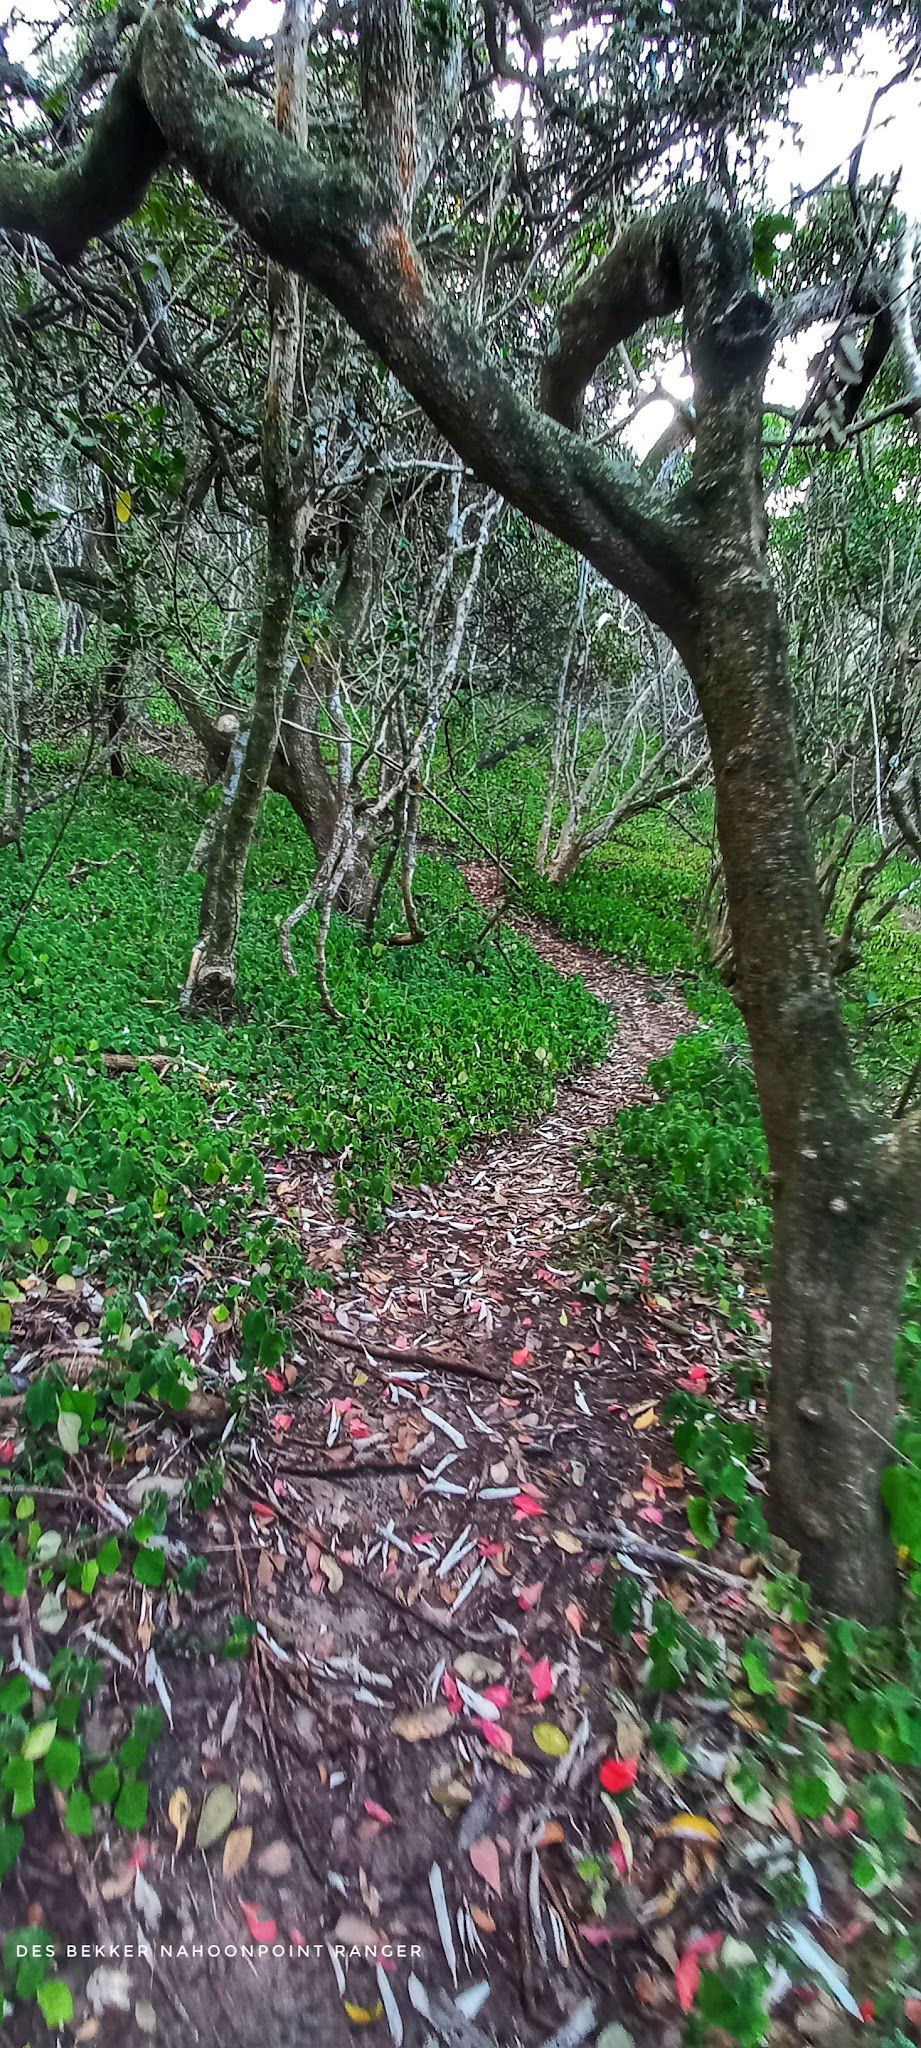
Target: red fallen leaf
{"points": [[652, 1515], [617, 1773], [275, 1381], [341, 1404], [484, 1857], [451, 1690], [499, 1695], [522, 1356], [379, 1813], [282, 1421], [542, 1680], [618, 1858], [530, 1595], [913, 2011], [846, 1825], [524, 1504], [260, 1928], [687, 1975], [262, 1509], [7, 1451], [298, 1937], [194, 1339], [867, 2009], [357, 1428], [596, 1936], [594, 1350], [138, 1856], [498, 1738], [487, 1548]]}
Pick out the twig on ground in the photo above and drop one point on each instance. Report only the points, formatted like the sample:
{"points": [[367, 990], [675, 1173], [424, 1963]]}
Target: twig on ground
{"points": [[656, 1553], [434, 1361]]}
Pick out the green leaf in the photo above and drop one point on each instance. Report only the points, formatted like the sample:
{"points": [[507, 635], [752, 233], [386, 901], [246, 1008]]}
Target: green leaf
{"points": [[11, 1841], [131, 1805], [62, 1762], [68, 1431], [901, 1490], [19, 1780], [79, 1815], [755, 1661], [15, 1694], [56, 2001], [810, 1794], [39, 1740], [109, 1557], [883, 1809], [703, 1522], [104, 1783], [626, 1601], [217, 1814], [150, 1567]]}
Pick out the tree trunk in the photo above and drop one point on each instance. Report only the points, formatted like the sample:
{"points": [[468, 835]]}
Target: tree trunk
{"points": [[212, 977], [842, 1236], [844, 1198]]}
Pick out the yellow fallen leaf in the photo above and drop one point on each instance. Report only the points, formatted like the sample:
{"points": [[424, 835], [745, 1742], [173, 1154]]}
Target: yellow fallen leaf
{"points": [[123, 507], [565, 1540], [236, 1851], [363, 2015], [689, 1827], [180, 1814], [332, 1572], [550, 1739], [646, 1420]]}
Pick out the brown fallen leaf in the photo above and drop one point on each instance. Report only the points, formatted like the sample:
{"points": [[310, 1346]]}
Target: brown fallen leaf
{"points": [[484, 1920], [424, 1725], [565, 1540], [275, 1860], [236, 1851]]}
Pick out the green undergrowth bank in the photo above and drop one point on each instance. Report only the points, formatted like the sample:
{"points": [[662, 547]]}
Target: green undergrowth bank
{"points": [[128, 1167]]}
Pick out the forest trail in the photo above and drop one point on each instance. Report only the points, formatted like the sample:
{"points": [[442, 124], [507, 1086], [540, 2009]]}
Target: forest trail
{"points": [[462, 1259], [449, 1608], [410, 1748]]}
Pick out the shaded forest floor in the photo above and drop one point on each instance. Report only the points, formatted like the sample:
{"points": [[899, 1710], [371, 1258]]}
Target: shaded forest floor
{"points": [[426, 1735]]}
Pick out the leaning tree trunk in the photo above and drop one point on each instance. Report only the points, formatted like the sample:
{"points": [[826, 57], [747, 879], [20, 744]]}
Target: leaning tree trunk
{"points": [[845, 1196], [212, 977]]}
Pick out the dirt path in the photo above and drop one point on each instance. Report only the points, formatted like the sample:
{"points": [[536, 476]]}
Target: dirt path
{"points": [[463, 1571]]}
